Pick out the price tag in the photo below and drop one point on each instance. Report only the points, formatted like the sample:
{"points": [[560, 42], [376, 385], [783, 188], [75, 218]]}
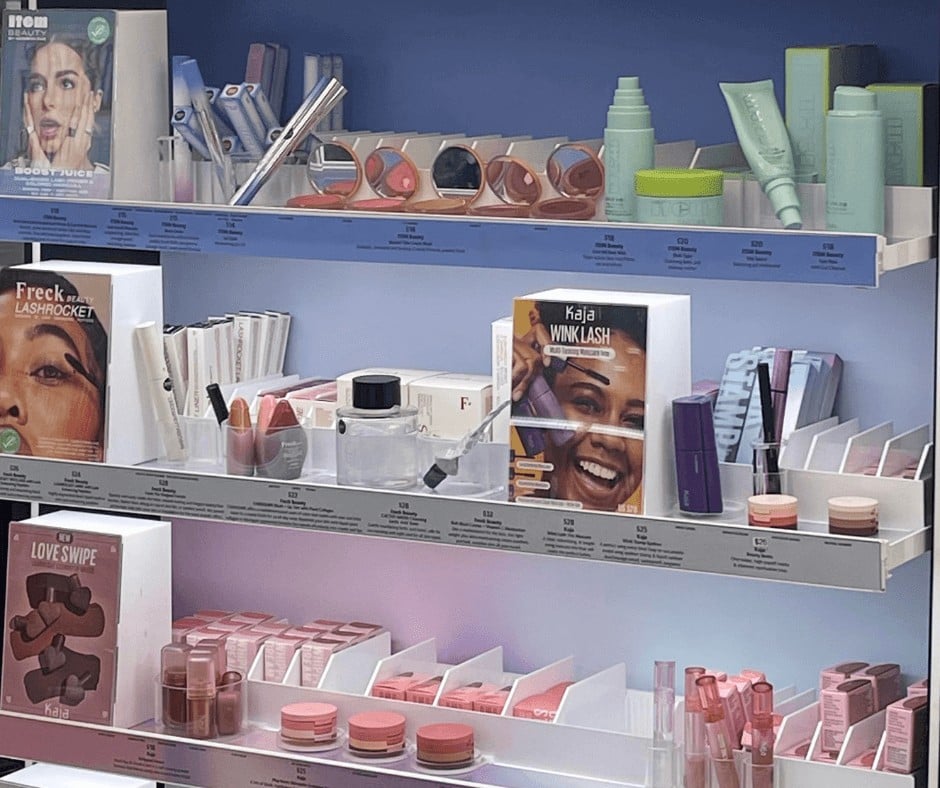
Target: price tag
{"points": [[828, 257], [80, 487], [121, 229], [609, 252], [682, 255], [230, 231], [172, 232]]}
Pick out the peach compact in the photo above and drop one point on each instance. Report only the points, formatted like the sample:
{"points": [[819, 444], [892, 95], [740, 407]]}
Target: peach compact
{"points": [[376, 733], [772, 511], [445, 745], [308, 725], [853, 515]]}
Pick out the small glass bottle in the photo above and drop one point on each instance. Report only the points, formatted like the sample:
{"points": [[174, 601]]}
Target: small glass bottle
{"points": [[376, 439]]}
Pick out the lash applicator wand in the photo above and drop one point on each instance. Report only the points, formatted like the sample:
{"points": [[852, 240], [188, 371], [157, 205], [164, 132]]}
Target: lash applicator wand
{"points": [[447, 464]]}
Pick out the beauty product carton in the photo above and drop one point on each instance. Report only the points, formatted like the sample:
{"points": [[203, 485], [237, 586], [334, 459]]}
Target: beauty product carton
{"points": [[832, 677], [183, 626], [450, 405], [278, 653], [88, 609], [886, 683], [315, 654], [812, 75], [407, 377], [841, 707], [86, 314], [242, 647], [594, 429], [918, 688], [906, 735], [126, 62], [501, 374], [910, 112]]}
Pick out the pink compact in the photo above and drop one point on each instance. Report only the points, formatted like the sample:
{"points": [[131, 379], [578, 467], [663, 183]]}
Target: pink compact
{"points": [[308, 725], [445, 745], [376, 733]]}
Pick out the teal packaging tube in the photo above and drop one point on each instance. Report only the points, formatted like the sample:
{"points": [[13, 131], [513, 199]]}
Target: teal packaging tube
{"points": [[628, 146]]}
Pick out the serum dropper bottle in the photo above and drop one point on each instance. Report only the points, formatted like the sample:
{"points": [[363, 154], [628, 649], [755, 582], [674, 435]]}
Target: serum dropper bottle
{"points": [[628, 146]]}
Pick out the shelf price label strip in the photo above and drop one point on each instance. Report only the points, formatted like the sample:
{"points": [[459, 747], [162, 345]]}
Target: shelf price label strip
{"points": [[815, 559], [587, 248]]}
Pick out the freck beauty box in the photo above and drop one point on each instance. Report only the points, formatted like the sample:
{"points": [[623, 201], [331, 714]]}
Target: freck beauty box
{"points": [[594, 427], [407, 377], [450, 405], [812, 75], [118, 60], [910, 112], [87, 611], [85, 315]]}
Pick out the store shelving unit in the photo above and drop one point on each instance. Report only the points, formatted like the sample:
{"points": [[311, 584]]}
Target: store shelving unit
{"points": [[704, 558]]}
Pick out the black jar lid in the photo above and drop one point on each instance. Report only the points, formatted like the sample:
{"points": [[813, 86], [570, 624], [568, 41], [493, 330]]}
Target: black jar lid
{"points": [[376, 392]]}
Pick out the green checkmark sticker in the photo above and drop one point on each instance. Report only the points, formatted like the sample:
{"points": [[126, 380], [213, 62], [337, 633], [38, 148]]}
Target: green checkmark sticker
{"points": [[9, 441]]}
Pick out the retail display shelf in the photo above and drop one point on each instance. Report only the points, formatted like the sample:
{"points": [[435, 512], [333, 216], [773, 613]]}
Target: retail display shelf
{"points": [[729, 547], [587, 247]]}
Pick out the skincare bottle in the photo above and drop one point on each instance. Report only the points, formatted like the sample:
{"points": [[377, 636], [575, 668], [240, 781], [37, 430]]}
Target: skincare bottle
{"points": [[855, 163], [376, 439], [628, 147]]}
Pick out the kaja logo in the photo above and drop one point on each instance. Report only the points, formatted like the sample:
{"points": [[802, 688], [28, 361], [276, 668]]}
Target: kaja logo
{"points": [[22, 21]]}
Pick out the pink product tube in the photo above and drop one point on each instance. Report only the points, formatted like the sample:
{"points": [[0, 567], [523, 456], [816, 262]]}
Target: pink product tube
{"points": [[278, 653], [744, 685], [886, 683], [241, 648], [762, 736], [918, 688], [720, 748], [906, 739], [394, 687], [720, 675], [841, 707], [696, 758], [832, 677], [747, 738]]}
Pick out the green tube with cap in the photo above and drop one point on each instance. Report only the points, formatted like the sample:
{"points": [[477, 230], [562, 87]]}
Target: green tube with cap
{"points": [[628, 146], [766, 145]]}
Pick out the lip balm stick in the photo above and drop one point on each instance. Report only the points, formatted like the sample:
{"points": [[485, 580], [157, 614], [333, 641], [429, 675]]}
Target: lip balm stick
{"points": [[696, 759], [150, 343], [663, 751], [718, 745]]}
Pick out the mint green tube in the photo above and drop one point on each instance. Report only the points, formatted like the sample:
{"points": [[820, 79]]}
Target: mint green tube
{"points": [[766, 145]]}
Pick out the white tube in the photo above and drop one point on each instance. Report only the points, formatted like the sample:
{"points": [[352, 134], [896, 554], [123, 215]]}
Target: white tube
{"points": [[150, 343]]}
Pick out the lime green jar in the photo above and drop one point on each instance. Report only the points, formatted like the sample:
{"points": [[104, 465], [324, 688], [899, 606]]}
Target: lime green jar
{"points": [[677, 196]]}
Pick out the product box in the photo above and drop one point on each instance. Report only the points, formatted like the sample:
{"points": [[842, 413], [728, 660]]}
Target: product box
{"points": [[910, 111], [451, 404], [594, 429], [840, 708], [812, 75], [906, 735], [407, 376], [502, 375], [95, 136], [90, 388], [885, 681], [87, 611]]}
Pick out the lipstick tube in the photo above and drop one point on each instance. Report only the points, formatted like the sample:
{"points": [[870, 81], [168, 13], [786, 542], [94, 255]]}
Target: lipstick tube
{"points": [[762, 735], [696, 759], [200, 693], [719, 746], [662, 755]]}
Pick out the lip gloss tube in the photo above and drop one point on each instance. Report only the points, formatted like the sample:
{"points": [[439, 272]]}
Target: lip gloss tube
{"points": [[762, 735], [696, 760], [200, 693], [663, 750], [718, 745]]}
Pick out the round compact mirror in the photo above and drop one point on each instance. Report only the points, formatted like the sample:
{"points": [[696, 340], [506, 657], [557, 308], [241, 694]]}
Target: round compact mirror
{"points": [[513, 181], [334, 169], [575, 171], [457, 172], [391, 174]]}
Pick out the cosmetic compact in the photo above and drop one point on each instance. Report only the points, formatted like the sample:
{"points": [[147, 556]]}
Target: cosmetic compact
{"points": [[457, 178], [308, 726], [515, 184], [445, 745], [852, 515], [772, 511], [575, 171], [394, 178], [334, 172], [377, 734]]}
